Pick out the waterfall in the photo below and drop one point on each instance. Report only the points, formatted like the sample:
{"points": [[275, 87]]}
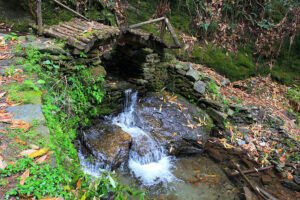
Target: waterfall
{"points": [[147, 159]]}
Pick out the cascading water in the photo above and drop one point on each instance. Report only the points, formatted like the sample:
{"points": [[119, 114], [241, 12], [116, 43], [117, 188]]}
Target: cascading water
{"points": [[148, 161]]}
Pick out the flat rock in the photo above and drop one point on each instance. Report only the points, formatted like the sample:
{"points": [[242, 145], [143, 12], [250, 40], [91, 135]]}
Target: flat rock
{"points": [[28, 113], [200, 87], [43, 47], [193, 75]]}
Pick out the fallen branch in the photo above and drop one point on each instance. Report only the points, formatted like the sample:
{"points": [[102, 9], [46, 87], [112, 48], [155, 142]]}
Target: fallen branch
{"points": [[69, 9], [254, 188], [252, 170]]}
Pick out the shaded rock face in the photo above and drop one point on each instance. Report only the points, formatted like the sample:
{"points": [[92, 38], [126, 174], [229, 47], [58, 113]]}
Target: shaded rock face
{"points": [[176, 128], [108, 143]]}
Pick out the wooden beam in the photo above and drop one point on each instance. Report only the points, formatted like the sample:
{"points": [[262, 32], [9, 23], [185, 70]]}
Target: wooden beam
{"points": [[163, 30], [147, 22], [39, 17], [173, 34], [165, 23], [71, 10]]}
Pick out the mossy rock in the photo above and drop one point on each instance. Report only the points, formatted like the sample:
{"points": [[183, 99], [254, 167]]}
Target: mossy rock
{"points": [[97, 71]]}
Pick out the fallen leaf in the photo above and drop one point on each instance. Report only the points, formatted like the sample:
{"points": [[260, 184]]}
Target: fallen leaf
{"points": [[27, 152], [19, 141], [174, 134], [3, 163], [2, 94], [42, 159], [32, 146], [24, 176], [199, 142], [38, 152]]}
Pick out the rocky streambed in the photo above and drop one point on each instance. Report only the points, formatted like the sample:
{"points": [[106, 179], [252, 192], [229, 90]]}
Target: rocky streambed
{"points": [[155, 144]]}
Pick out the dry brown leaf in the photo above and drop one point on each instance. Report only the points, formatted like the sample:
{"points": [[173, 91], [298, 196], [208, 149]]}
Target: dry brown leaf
{"points": [[24, 176], [42, 159], [78, 184], [17, 140]]}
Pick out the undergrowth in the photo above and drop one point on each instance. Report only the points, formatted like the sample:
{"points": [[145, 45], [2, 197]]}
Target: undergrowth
{"points": [[69, 101]]}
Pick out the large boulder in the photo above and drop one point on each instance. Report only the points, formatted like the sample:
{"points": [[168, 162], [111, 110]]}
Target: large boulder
{"points": [[175, 125], [108, 143]]}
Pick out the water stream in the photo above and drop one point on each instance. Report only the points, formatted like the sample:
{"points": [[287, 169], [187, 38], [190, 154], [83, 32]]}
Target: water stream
{"points": [[155, 165]]}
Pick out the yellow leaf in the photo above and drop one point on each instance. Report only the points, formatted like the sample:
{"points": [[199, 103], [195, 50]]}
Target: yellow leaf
{"points": [[38, 152], [174, 134], [90, 29]]}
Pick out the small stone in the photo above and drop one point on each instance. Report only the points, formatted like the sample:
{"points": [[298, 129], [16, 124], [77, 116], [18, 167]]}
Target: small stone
{"points": [[193, 75], [266, 179], [240, 142], [247, 139], [225, 82], [230, 112], [263, 144], [200, 87]]}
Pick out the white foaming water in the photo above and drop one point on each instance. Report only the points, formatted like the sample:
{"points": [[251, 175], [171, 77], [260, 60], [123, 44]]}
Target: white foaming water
{"points": [[153, 166]]}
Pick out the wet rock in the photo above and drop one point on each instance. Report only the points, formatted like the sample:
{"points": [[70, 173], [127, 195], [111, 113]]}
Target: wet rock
{"points": [[193, 75], [200, 87], [291, 184], [108, 143], [22, 38], [266, 179], [171, 126]]}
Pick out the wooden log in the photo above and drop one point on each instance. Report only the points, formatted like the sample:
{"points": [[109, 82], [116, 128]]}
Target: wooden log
{"points": [[173, 34], [63, 31], [147, 22], [70, 28], [39, 17], [70, 40], [71, 10]]}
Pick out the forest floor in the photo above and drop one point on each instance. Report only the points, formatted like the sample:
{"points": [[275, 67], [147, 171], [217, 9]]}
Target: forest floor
{"points": [[23, 131]]}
